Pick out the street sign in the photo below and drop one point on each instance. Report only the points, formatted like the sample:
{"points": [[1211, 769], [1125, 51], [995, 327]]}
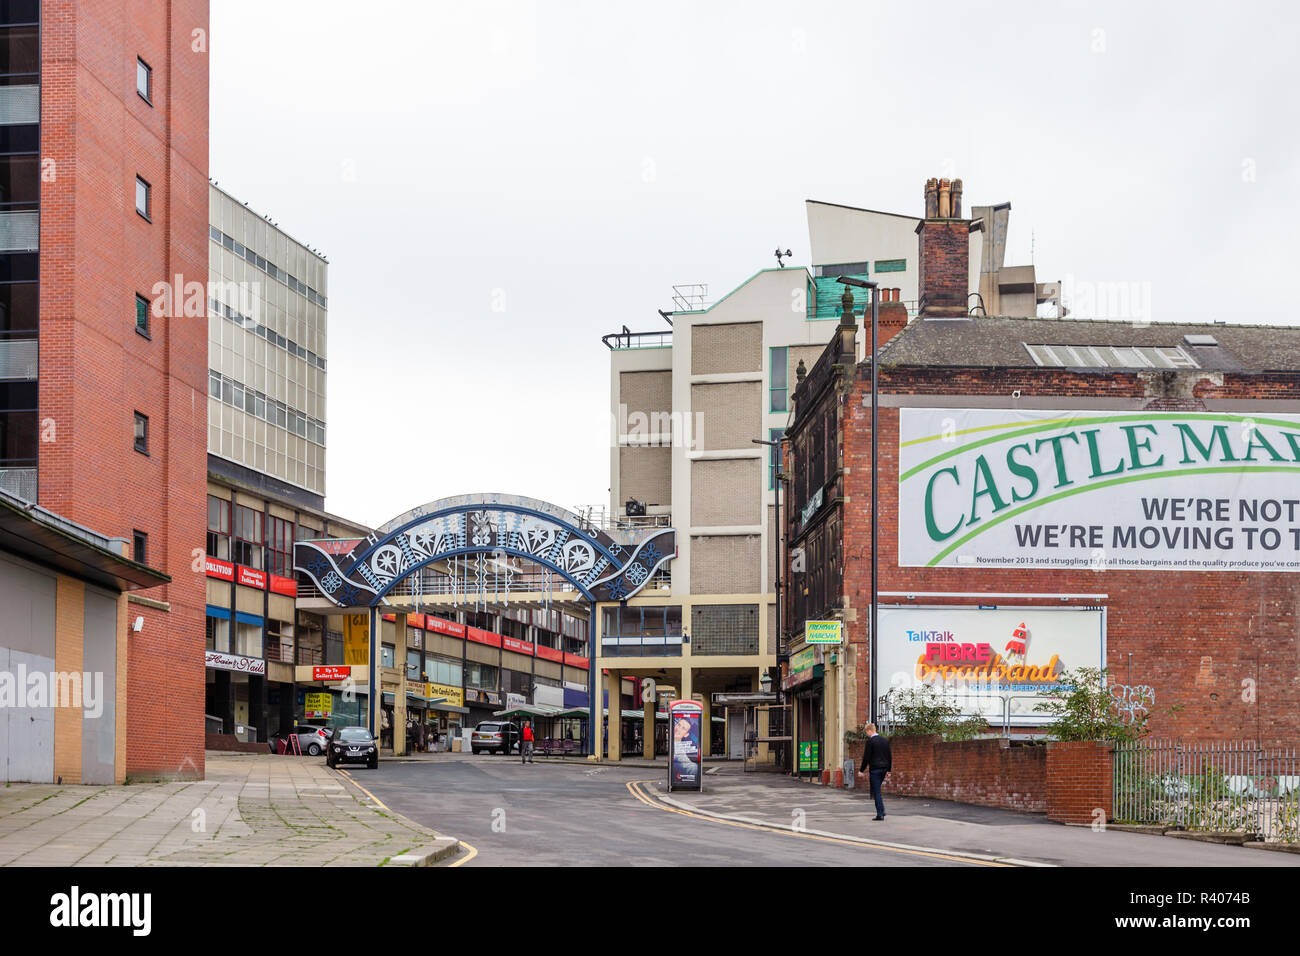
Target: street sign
{"points": [[823, 632]]}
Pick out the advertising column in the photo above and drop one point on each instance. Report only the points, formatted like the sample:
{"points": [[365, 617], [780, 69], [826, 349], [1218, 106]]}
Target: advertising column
{"points": [[685, 756]]}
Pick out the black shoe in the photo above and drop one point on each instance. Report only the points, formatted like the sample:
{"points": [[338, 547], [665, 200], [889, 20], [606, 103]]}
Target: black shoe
{"points": [[877, 818]]}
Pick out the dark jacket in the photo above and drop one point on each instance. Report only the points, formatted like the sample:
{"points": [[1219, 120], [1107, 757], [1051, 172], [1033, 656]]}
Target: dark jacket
{"points": [[876, 755]]}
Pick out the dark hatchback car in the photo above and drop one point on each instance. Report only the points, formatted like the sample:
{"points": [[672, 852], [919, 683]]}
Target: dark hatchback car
{"points": [[352, 745]]}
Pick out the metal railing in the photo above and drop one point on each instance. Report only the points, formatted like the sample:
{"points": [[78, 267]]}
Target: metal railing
{"points": [[617, 341], [1224, 786]]}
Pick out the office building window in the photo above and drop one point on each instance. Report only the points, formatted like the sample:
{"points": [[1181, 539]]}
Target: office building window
{"points": [[248, 639], [218, 527], [144, 80], [142, 433], [279, 546], [777, 380], [139, 547], [387, 655], [773, 455], [218, 635], [142, 315], [142, 191], [247, 548]]}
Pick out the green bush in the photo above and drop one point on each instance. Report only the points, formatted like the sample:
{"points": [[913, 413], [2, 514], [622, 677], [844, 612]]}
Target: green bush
{"points": [[917, 711], [1085, 709]]}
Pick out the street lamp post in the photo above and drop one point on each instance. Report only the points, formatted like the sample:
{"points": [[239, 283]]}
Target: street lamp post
{"points": [[875, 422], [780, 560]]}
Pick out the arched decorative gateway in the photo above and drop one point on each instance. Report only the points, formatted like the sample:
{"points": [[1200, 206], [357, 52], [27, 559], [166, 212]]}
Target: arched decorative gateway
{"points": [[602, 565]]}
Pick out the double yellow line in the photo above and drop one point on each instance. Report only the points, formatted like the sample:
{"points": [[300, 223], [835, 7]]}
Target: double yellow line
{"points": [[637, 789]]}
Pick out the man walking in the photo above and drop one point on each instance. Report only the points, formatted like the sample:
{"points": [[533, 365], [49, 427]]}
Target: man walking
{"points": [[876, 760], [526, 749]]}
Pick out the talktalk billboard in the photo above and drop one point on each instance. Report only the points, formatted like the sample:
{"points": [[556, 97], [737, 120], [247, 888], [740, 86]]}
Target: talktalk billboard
{"points": [[1154, 491], [989, 661]]}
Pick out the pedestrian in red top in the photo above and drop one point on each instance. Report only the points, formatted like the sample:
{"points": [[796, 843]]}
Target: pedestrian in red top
{"points": [[526, 751]]}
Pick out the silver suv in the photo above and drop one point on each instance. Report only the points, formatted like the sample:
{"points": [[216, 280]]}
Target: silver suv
{"points": [[499, 736]]}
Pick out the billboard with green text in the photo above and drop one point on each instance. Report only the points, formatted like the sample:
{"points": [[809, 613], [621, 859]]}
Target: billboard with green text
{"points": [[1178, 491]]}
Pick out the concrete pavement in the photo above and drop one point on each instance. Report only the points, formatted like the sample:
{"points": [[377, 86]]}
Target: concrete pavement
{"points": [[779, 802], [252, 810]]}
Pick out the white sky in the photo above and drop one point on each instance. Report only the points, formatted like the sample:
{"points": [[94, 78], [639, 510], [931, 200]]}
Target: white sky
{"points": [[568, 162]]}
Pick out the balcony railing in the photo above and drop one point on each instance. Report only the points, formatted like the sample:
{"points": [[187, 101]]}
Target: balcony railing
{"points": [[617, 341], [20, 482]]}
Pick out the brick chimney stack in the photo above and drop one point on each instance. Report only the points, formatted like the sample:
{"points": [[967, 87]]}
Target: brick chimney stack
{"points": [[944, 252]]}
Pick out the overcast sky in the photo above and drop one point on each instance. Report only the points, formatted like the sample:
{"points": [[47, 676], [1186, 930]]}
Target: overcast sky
{"points": [[497, 185]]}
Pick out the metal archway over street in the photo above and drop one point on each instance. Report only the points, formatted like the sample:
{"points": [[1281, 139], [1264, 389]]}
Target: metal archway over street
{"points": [[600, 566]]}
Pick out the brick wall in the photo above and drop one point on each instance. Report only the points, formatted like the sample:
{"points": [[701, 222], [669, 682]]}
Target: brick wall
{"points": [[988, 773], [645, 473], [725, 564], [736, 347], [717, 492], [96, 254], [1079, 781], [647, 393], [944, 266], [1193, 636], [1069, 781], [726, 416]]}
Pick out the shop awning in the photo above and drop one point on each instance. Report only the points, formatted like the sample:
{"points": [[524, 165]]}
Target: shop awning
{"points": [[527, 710], [448, 708], [640, 715], [425, 700], [582, 712]]}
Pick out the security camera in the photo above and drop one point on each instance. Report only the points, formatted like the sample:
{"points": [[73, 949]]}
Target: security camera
{"points": [[138, 626]]}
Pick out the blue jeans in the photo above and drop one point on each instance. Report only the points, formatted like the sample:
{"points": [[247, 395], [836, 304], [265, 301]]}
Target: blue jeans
{"points": [[877, 781]]}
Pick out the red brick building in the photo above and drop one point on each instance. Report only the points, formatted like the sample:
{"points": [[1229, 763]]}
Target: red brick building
{"points": [[1137, 473], [116, 437]]}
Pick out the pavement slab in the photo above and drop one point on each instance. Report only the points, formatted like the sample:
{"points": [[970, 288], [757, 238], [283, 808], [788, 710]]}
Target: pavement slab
{"points": [[251, 810]]}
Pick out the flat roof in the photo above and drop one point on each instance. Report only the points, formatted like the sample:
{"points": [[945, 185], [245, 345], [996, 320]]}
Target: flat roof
{"points": [[46, 538]]}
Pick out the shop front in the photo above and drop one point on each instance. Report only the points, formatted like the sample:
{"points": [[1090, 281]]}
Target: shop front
{"points": [[330, 695], [804, 683], [481, 704], [233, 694], [445, 715]]}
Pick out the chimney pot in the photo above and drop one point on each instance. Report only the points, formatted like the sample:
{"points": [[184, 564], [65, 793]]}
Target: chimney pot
{"points": [[931, 198], [956, 198]]}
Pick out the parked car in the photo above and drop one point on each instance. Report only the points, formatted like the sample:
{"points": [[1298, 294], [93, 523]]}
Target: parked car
{"points": [[311, 740], [499, 736], [352, 745]]}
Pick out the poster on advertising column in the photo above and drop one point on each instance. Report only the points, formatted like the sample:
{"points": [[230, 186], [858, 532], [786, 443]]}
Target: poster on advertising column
{"points": [[1158, 491], [1001, 662]]}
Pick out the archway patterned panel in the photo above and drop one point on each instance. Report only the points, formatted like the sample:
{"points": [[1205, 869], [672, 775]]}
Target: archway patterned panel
{"points": [[600, 566]]}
